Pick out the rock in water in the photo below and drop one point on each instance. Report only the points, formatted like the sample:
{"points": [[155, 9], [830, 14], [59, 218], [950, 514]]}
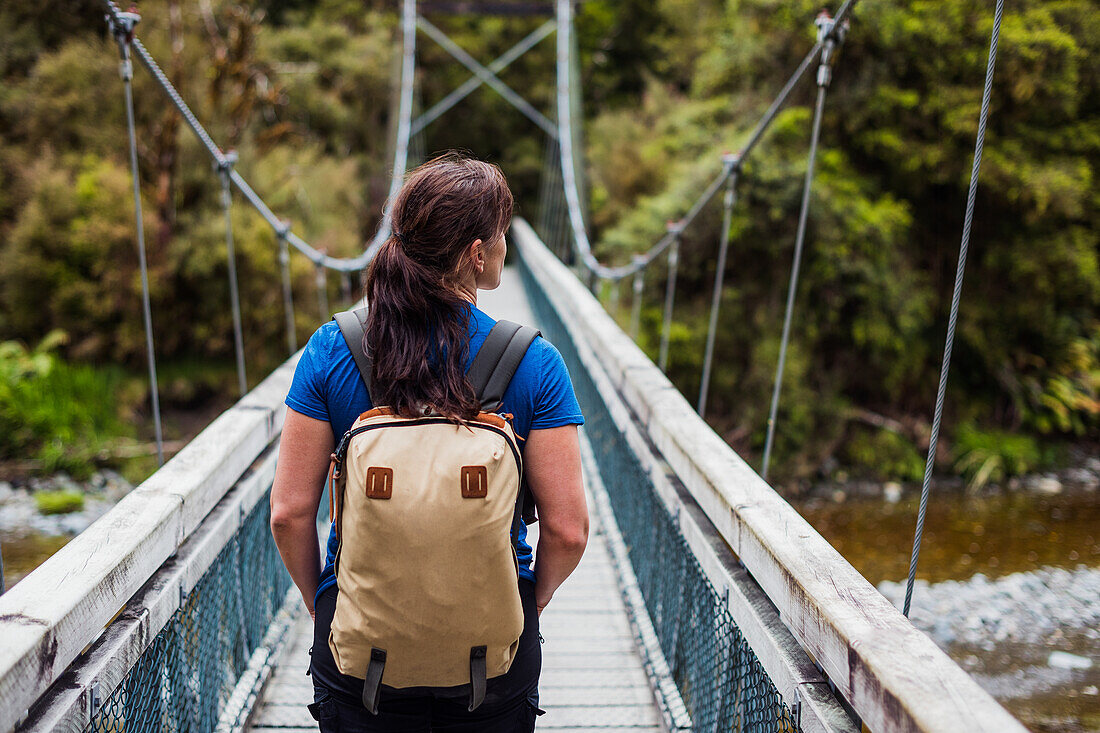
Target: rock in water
{"points": [[1065, 660]]}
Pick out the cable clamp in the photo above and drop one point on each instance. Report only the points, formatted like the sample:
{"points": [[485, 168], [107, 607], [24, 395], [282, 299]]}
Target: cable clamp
{"points": [[225, 163], [731, 161], [122, 25], [824, 22]]}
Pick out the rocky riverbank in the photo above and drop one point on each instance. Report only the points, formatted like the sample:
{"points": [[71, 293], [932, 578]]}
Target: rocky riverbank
{"points": [[21, 505], [1031, 639], [29, 535], [1081, 475]]}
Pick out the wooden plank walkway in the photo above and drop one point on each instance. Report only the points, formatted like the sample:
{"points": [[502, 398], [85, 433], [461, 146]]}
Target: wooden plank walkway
{"points": [[593, 678]]}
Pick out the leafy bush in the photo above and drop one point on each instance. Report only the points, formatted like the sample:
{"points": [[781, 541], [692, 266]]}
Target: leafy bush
{"points": [[59, 502], [58, 413], [883, 455], [985, 456]]}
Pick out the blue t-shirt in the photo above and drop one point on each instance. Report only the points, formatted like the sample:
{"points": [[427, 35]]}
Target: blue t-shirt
{"points": [[327, 386]]}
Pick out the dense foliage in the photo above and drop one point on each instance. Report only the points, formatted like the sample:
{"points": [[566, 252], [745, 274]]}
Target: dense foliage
{"points": [[304, 92]]}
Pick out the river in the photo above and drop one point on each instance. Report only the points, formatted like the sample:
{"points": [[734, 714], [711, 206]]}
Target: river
{"points": [[1008, 585]]}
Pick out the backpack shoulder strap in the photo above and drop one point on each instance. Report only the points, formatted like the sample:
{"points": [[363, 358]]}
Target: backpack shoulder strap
{"points": [[497, 361], [352, 326]]}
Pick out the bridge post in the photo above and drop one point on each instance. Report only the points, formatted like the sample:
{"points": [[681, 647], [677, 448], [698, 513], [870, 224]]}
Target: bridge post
{"points": [[224, 167], [829, 40], [121, 27], [733, 166], [676, 229]]}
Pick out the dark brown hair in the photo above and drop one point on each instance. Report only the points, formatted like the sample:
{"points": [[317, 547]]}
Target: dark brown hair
{"points": [[418, 326]]}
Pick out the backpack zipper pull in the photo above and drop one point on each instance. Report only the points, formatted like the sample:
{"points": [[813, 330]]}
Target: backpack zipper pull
{"points": [[342, 448]]}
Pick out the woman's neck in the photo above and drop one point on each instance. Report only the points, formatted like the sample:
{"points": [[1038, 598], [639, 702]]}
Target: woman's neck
{"points": [[467, 290]]}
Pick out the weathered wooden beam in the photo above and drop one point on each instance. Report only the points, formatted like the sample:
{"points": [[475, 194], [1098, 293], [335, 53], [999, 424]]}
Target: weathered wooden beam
{"points": [[64, 605], [99, 671], [892, 675]]}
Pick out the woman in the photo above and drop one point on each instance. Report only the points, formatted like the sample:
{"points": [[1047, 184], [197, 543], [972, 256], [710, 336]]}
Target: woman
{"points": [[423, 330]]}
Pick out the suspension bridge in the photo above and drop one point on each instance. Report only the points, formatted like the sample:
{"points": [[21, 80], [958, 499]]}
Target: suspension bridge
{"points": [[705, 602]]}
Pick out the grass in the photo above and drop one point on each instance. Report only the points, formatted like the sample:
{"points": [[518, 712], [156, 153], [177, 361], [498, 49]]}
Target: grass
{"points": [[58, 414], [59, 502]]}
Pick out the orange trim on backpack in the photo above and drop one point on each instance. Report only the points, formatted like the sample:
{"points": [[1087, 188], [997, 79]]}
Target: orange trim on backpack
{"points": [[491, 419], [332, 511], [376, 412]]}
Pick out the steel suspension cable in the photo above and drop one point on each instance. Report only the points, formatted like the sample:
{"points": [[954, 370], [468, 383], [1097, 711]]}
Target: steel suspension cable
{"points": [[122, 29], [464, 90], [401, 148], [581, 242], [824, 76], [956, 296], [487, 77]]}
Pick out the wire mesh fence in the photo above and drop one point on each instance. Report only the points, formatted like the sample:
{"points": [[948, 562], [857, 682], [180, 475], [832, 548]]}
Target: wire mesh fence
{"points": [[720, 679], [183, 681]]}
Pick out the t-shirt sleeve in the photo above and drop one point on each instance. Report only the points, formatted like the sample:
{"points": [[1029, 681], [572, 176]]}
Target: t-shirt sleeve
{"points": [[307, 389], [555, 402]]}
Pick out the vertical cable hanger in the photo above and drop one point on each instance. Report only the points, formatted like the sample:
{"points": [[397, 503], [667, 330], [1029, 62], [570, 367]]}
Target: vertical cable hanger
{"points": [[830, 41], [225, 171], [288, 294], [122, 27], [956, 295], [676, 228], [733, 163]]}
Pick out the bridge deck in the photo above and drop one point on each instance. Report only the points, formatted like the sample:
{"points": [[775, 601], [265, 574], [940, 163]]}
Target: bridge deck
{"points": [[592, 674]]}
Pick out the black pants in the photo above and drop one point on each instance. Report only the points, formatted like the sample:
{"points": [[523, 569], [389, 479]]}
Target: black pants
{"points": [[510, 706]]}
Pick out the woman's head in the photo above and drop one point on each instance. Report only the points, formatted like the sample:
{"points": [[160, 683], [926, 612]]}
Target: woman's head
{"points": [[448, 223]]}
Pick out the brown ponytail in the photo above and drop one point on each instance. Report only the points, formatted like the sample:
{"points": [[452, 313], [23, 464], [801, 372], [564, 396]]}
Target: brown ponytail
{"points": [[417, 325]]}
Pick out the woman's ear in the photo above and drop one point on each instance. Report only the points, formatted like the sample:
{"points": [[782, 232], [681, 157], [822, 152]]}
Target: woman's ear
{"points": [[476, 256]]}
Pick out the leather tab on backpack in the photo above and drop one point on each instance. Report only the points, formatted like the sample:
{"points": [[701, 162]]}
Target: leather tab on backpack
{"points": [[477, 677], [379, 482], [475, 482], [373, 682]]}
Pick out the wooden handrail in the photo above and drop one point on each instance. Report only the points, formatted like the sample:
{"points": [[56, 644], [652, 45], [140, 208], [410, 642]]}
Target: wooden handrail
{"points": [[63, 605], [891, 674]]}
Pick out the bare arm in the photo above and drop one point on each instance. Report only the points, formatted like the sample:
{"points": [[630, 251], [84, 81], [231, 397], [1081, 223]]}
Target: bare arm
{"points": [[552, 461], [304, 451]]}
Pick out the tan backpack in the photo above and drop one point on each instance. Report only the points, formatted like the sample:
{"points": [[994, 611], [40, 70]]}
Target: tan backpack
{"points": [[427, 513]]}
